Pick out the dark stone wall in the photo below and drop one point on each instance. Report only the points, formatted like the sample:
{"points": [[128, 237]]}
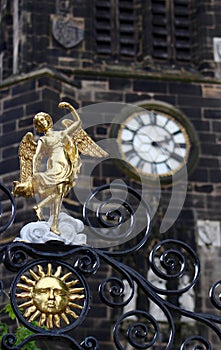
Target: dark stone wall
{"points": [[49, 73], [204, 25], [37, 46], [198, 100]]}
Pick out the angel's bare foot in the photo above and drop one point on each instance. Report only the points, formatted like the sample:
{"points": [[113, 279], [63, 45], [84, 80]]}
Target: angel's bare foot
{"points": [[38, 212], [55, 230]]}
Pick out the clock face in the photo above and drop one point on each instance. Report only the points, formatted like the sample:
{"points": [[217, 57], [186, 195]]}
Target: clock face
{"points": [[154, 143]]}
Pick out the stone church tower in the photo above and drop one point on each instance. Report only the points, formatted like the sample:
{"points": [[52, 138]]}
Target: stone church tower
{"points": [[158, 55]]}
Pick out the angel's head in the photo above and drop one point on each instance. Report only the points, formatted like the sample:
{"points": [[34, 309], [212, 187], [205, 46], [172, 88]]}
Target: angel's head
{"points": [[42, 122]]}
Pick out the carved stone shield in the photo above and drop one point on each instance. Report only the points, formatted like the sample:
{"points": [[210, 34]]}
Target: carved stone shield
{"points": [[67, 31]]}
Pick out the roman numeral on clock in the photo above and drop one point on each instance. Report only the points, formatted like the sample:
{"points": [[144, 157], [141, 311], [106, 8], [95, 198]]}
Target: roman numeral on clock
{"points": [[127, 142], [180, 145], [168, 166], [129, 127], [131, 154], [153, 118], [154, 168], [177, 157], [139, 120], [141, 164], [177, 132]]}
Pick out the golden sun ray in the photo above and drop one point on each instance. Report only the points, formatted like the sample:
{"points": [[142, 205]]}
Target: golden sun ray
{"points": [[65, 318], [75, 305], [58, 272], [50, 321], [40, 271], [24, 287], [76, 297], [34, 316], [66, 276], [33, 274], [49, 270], [57, 321], [70, 312], [30, 311], [28, 280], [42, 319], [26, 304], [24, 295], [76, 290], [49, 298], [71, 284]]}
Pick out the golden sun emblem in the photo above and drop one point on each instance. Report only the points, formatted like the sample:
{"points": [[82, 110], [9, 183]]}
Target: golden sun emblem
{"points": [[49, 298]]}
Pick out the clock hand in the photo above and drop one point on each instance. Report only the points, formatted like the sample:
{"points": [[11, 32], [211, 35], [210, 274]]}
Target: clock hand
{"points": [[176, 156], [154, 143], [165, 139], [139, 136], [163, 149], [158, 144]]}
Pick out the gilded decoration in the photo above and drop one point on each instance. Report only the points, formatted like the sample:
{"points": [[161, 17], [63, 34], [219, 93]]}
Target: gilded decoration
{"points": [[61, 151], [49, 297]]}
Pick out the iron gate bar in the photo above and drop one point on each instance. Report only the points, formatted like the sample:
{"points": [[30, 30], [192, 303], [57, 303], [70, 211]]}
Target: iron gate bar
{"points": [[8, 193]]}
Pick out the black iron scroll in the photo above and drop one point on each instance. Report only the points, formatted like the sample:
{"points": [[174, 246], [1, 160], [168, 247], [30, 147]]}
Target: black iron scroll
{"points": [[112, 219], [4, 191]]}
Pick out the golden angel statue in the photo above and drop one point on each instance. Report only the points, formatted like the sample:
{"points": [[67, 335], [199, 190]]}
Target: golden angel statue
{"points": [[61, 150]]}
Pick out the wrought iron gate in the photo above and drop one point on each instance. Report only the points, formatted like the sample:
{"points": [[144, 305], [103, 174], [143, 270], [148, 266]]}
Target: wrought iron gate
{"points": [[73, 269]]}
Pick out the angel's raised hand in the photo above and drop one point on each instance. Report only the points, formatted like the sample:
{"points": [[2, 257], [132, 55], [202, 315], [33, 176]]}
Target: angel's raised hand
{"points": [[65, 105], [71, 109]]}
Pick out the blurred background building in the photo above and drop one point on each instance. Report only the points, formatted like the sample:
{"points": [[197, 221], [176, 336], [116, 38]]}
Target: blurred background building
{"points": [[151, 53]]}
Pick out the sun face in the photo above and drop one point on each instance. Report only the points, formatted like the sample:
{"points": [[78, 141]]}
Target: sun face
{"points": [[49, 297]]}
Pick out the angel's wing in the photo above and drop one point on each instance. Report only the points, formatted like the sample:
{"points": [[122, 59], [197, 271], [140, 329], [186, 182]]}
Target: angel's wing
{"points": [[26, 153], [84, 142], [87, 146]]}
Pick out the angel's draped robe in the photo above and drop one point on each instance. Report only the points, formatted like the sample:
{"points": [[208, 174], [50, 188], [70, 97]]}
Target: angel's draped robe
{"points": [[60, 158]]}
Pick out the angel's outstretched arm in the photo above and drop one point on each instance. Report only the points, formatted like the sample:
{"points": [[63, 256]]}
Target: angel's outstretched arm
{"points": [[74, 126], [71, 109], [71, 129]]}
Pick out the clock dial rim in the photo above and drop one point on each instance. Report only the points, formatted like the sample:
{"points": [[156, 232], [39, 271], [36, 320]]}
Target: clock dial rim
{"points": [[161, 107], [168, 117]]}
